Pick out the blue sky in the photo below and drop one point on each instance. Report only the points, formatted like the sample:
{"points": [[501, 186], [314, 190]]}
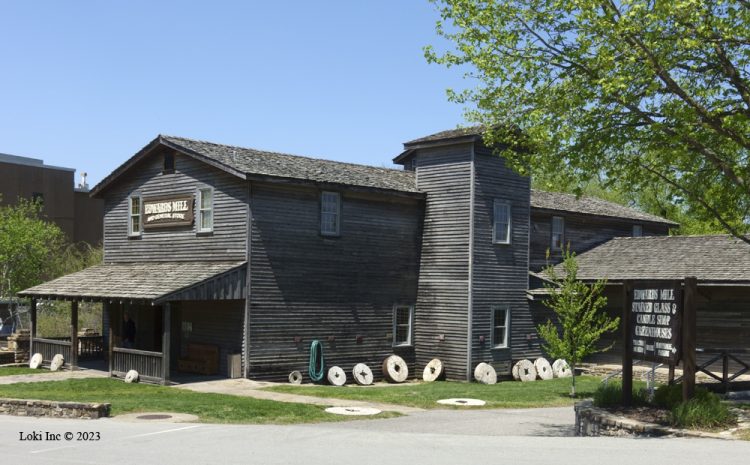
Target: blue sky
{"points": [[86, 84]]}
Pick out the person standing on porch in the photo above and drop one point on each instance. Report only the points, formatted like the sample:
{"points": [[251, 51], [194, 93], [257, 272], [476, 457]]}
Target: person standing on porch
{"points": [[128, 333]]}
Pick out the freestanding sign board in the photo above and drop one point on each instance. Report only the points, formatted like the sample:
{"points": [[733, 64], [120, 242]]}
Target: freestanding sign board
{"points": [[655, 320]]}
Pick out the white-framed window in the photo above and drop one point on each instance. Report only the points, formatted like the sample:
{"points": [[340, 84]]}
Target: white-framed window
{"points": [[205, 210], [558, 233], [501, 222], [500, 325], [403, 316], [330, 213], [637, 230], [134, 216]]}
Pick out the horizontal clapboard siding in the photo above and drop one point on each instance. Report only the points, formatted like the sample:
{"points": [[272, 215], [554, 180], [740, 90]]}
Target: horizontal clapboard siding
{"points": [[226, 243], [583, 232], [305, 286], [444, 174], [499, 271], [213, 322]]}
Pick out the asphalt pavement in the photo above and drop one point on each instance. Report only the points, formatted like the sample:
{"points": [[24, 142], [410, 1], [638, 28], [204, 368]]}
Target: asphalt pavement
{"points": [[536, 436]]}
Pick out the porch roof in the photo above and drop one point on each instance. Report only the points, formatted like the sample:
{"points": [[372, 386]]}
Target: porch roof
{"points": [[152, 282]]}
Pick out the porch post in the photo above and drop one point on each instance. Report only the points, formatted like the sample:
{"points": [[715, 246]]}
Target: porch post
{"points": [[33, 328], [166, 339], [74, 335], [106, 308]]}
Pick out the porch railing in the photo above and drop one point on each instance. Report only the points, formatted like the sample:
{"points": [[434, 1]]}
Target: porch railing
{"points": [[50, 347], [89, 347], [147, 364]]}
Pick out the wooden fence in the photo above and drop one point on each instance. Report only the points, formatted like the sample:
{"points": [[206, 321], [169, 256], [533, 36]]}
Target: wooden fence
{"points": [[50, 347], [147, 364]]}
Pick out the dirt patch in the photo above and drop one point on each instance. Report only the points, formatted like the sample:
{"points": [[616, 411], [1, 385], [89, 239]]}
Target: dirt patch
{"points": [[642, 414]]}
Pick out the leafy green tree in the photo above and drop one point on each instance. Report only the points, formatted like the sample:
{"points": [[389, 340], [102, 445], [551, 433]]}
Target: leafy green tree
{"points": [[27, 246], [636, 92], [580, 319]]}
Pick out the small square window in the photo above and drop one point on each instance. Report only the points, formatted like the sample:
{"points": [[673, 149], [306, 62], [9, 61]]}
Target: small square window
{"points": [[637, 230], [501, 223], [500, 324], [168, 163], [134, 216], [558, 233], [402, 323], [330, 213]]}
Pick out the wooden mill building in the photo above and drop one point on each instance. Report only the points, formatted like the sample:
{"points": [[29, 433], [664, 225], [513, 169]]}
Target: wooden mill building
{"points": [[225, 254]]}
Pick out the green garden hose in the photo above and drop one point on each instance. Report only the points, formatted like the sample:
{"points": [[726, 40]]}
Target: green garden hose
{"points": [[317, 362]]}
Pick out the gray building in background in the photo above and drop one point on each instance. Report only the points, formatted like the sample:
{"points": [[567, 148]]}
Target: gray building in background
{"points": [[65, 203]]}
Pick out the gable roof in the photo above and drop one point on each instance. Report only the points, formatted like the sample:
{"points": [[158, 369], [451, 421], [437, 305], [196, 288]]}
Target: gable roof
{"points": [[472, 132], [716, 258], [559, 201], [249, 163]]}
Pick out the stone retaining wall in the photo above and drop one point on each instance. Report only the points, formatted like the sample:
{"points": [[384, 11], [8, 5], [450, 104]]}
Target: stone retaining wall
{"points": [[46, 408], [592, 421]]}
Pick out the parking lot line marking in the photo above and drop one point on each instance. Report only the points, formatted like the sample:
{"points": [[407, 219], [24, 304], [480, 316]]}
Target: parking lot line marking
{"points": [[165, 431]]}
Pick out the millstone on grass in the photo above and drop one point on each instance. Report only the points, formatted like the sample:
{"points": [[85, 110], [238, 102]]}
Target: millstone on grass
{"points": [[433, 371], [485, 374], [336, 376], [543, 368], [514, 372], [395, 369], [526, 371], [57, 362], [362, 374], [561, 369], [132, 376], [36, 361], [295, 377]]}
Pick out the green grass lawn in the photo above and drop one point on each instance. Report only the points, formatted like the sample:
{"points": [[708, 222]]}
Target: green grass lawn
{"points": [[506, 394], [210, 408], [9, 371]]}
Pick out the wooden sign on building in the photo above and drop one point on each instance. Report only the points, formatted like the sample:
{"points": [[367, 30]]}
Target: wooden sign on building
{"points": [[168, 212], [655, 320]]}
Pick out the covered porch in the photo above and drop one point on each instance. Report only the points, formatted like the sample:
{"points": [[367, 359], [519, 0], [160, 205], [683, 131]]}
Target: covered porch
{"points": [[173, 307]]}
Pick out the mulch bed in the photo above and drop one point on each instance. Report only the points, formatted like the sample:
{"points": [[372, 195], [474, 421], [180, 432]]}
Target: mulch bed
{"points": [[643, 414]]}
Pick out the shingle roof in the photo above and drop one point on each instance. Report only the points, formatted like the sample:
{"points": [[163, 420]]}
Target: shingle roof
{"points": [[710, 258], [132, 281], [591, 206], [449, 134], [257, 162]]}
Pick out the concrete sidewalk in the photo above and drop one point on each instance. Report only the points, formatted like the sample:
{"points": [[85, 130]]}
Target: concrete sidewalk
{"points": [[249, 388]]}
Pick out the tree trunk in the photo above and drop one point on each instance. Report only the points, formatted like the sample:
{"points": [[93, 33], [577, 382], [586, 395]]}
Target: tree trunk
{"points": [[573, 386]]}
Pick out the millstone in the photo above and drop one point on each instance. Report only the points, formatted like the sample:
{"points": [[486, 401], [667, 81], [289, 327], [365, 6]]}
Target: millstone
{"points": [[36, 361], [543, 368], [362, 374], [132, 376], [57, 362], [336, 376], [561, 369], [526, 371], [395, 369], [433, 371], [514, 372], [485, 374], [295, 377]]}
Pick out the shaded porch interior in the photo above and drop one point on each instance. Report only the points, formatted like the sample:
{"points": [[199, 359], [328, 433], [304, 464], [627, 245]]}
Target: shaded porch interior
{"points": [[189, 317]]}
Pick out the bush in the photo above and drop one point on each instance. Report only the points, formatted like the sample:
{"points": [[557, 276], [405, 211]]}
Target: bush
{"points": [[668, 396], [705, 410], [610, 395]]}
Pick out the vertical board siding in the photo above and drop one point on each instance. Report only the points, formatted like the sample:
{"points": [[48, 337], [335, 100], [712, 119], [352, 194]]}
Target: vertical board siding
{"points": [[226, 243], [444, 174], [500, 271], [583, 232], [304, 286]]}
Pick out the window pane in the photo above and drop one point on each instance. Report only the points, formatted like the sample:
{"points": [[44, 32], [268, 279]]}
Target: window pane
{"points": [[329, 212], [135, 206], [500, 327], [502, 222], [207, 219], [637, 230], [558, 226], [135, 224], [207, 199], [402, 327]]}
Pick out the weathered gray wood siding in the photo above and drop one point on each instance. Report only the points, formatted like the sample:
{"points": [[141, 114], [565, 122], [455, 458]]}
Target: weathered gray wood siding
{"points": [[228, 242], [499, 273], [441, 331], [210, 322], [305, 286], [583, 232]]}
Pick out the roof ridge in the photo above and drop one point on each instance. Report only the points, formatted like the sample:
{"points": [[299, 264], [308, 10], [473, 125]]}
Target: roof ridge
{"points": [[284, 154]]}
